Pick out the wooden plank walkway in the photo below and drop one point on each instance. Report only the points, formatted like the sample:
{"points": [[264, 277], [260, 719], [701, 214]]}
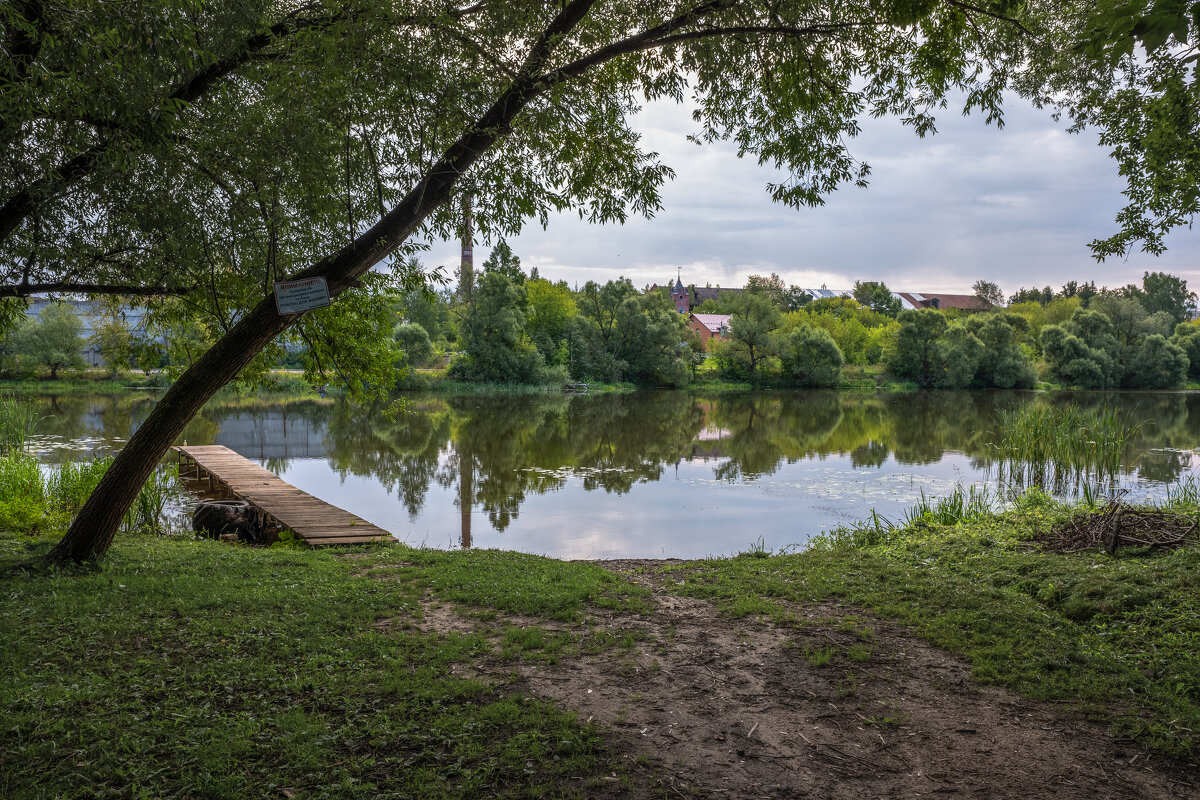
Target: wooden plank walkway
{"points": [[313, 520]]}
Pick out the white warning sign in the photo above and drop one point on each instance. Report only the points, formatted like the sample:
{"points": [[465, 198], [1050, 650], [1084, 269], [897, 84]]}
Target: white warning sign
{"points": [[292, 297]]}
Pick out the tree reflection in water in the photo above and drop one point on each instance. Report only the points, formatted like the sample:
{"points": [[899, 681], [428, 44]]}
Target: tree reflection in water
{"points": [[493, 453]]}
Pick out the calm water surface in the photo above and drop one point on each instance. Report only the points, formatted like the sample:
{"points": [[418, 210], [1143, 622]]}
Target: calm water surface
{"points": [[651, 474]]}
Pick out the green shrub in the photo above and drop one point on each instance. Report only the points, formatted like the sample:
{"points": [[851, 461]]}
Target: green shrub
{"points": [[1003, 364], [21, 517], [1160, 364], [811, 358], [931, 351]]}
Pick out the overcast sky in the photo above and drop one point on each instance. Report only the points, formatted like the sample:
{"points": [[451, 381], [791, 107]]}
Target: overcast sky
{"points": [[1015, 206]]}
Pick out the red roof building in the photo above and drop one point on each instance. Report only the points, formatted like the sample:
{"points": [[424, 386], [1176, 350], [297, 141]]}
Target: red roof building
{"points": [[710, 326], [968, 302], [685, 298]]}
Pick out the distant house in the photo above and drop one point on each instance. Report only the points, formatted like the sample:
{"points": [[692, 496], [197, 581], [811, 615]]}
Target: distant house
{"points": [[710, 326], [685, 298], [827, 294], [967, 302]]}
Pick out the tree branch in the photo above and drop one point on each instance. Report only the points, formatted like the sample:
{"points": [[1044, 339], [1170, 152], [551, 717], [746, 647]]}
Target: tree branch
{"points": [[962, 6], [654, 38], [18, 207], [341, 269], [639, 42]]}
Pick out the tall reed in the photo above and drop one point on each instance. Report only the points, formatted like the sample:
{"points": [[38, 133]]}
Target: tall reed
{"points": [[17, 419], [1060, 448], [1185, 494], [21, 478], [70, 484], [961, 505], [958, 506], [148, 510]]}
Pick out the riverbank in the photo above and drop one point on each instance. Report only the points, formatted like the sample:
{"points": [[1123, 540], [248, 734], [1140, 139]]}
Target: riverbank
{"points": [[854, 378], [875, 662], [103, 382], [706, 379]]}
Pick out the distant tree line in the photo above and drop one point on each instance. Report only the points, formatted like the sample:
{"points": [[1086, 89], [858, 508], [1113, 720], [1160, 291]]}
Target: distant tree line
{"points": [[1135, 337], [510, 327]]}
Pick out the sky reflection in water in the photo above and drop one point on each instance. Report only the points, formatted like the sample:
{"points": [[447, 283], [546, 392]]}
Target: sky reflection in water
{"points": [[652, 474]]}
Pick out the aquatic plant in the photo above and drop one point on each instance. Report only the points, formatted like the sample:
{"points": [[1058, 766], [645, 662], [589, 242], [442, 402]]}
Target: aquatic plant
{"points": [[1061, 447], [1185, 494], [963, 504], [20, 478], [22, 491], [17, 419], [758, 549], [960, 505], [70, 484], [147, 512]]}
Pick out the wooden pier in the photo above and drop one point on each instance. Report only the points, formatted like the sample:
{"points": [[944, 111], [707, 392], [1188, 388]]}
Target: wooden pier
{"points": [[314, 521]]}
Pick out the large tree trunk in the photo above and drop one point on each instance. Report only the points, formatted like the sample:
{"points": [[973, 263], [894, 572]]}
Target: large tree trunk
{"points": [[98, 521]]}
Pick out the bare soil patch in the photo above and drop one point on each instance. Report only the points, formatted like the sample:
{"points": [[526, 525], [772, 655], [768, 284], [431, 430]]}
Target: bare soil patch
{"points": [[843, 706]]}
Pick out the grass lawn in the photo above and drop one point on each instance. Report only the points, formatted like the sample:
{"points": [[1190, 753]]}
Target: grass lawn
{"points": [[196, 669], [189, 669]]}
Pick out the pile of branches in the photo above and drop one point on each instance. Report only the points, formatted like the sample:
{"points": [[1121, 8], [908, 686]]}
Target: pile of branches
{"points": [[1120, 525]]}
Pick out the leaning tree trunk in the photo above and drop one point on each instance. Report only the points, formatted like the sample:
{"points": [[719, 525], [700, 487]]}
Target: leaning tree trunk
{"points": [[98, 521]]}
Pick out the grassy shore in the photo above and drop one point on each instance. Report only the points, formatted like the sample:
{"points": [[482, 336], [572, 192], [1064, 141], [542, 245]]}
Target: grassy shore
{"points": [[103, 382], [854, 377], [180, 668], [79, 383]]}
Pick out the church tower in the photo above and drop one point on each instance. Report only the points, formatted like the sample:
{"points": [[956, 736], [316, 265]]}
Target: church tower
{"points": [[680, 297]]}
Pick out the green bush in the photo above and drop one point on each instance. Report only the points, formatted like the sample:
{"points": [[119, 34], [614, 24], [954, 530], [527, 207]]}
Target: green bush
{"points": [[21, 517], [933, 352], [1160, 364], [1003, 364], [1187, 338], [1083, 351], [811, 358], [414, 341]]}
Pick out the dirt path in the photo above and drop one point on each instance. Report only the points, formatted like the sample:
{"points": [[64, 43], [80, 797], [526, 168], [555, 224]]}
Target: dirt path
{"points": [[847, 707]]}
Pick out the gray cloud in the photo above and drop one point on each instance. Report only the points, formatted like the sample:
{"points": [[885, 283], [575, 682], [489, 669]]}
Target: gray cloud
{"points": [[1016, 206]]}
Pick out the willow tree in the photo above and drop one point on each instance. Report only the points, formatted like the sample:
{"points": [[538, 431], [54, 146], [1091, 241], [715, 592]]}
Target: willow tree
{"points": [[207, 149], [1128, 68]]}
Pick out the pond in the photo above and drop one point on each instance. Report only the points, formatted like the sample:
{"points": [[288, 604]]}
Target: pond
{"points": [[642, 475]]}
